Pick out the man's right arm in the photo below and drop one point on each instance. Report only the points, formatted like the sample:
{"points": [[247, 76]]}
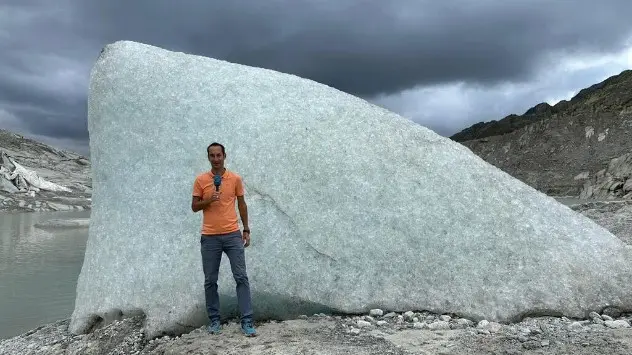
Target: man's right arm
{"points": [[198, 204]]}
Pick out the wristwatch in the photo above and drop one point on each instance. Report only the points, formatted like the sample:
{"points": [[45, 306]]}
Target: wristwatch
{"points": [[246, 231]]}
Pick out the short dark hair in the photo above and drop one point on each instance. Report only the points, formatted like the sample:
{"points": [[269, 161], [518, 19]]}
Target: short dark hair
{"points": [[215, 144]]}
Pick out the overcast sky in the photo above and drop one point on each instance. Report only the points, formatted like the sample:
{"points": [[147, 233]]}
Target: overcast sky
{"points": [[444, 64]]}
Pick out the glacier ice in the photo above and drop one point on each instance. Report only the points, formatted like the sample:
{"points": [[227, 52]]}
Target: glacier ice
{"points": [[25, 179], [352, 207]]}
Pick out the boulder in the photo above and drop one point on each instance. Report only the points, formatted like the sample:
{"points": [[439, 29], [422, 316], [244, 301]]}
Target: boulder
{"points": [[613, 182], [351, 207]]}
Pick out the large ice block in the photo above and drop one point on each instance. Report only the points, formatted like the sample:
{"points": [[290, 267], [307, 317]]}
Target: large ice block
{"points": [[351, 206]]}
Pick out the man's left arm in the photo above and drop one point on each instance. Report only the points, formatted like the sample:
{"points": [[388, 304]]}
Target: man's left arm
{"points": [[243, 210], [243, 213]]}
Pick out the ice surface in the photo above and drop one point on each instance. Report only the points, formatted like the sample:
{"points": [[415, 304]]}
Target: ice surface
{"points": [[351, 206], [35, 180]]}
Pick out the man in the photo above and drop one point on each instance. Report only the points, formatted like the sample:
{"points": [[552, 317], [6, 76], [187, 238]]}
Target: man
{"points": [[220, 234]]}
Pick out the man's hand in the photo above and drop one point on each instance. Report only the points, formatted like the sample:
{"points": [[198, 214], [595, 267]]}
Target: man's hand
{"points": [[197, 204], [245, 236]]}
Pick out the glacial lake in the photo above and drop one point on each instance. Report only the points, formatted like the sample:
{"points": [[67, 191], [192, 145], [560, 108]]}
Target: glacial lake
{"points": [[39, 268]]}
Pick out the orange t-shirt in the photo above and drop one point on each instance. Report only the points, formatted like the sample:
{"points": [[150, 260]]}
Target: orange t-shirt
{"points": [[220, 217]]}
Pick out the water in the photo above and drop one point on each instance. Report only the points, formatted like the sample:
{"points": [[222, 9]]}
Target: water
{"points": [[38, 270]]}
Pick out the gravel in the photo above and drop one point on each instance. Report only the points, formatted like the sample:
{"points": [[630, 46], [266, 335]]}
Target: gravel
{"points": [[359, 334]]}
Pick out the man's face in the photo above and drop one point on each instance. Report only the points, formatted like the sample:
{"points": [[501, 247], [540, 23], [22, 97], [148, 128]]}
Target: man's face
{"points": [[216, 157]]}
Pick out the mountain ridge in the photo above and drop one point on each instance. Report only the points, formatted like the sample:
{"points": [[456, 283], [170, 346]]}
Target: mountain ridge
{"points": [[564, 149], [536, 113]]}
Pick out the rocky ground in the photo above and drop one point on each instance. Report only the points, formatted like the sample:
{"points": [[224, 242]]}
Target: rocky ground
{"points": [[374, 333], [616, 216], [67, 169], [563, 149]]}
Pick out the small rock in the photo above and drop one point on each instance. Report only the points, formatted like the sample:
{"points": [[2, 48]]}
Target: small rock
{"points": [[400, 319], [613, 312], [302, 316], [606, 317], [576, 326], [462, 323], [390, 315], [536, 331], [369, 319], [415, 320], [491, 326], [483, 324], [466, 322], [420, 325], [532, 344], [439, 325], [409, 315], [381, 322], [594, 315], [545, 342], [354, 331], [363, 324], [445, 318], [376, 312], [617, 324]]}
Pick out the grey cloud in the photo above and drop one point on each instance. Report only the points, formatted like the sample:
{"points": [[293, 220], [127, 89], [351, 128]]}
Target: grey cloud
{"points": [[369, 47], [448, 110]]}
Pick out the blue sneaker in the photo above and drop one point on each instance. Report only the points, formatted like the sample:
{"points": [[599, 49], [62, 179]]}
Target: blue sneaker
{"points": [[214, 327], [248, 328]]}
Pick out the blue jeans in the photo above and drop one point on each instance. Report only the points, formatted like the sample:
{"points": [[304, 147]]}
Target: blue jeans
{"points": [[212, 247]]}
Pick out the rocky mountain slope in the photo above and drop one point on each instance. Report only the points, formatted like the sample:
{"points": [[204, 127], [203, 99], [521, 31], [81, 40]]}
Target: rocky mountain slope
{"points": [[37, 177], [566, 149]]}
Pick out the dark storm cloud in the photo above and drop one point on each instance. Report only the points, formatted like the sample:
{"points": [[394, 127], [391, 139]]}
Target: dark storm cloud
{"points": [[371, 47], [42, 71], [362, 47]]}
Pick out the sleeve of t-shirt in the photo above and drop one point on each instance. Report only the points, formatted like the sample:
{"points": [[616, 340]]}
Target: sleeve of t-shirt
{"points": [[239, 187], [197, 188]]}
